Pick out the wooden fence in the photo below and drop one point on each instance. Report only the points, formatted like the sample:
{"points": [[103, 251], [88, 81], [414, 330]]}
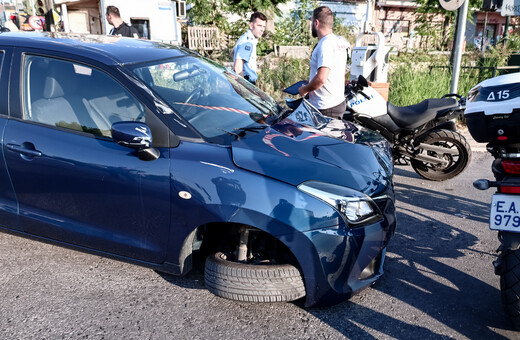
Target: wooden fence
{"points": [[203, 38]]}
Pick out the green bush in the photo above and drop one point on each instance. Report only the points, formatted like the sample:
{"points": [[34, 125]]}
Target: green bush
{"points": [[288, 71], [513, 41]]}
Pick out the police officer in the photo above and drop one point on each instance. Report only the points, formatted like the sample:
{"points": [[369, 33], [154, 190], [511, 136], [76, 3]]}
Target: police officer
{"points": [[121, 28], [244, 52]]}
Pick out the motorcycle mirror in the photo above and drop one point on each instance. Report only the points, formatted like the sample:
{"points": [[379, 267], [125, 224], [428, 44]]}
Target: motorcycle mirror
{"points": [[481, 184], [362, 81]]}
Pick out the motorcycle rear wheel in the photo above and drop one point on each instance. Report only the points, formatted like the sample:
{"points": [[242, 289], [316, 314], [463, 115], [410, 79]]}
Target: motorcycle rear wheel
{"points": [[510, 285], [456, 163]]}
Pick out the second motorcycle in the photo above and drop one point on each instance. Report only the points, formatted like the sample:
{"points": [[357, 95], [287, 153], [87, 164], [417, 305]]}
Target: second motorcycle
{"points": [[423, 135]]}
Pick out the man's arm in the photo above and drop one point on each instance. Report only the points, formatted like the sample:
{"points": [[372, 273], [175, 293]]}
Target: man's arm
{"points": [[318, 81], [239, 66]]}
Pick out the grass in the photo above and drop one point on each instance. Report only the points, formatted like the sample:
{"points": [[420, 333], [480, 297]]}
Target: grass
{"points": [[408, 86]]}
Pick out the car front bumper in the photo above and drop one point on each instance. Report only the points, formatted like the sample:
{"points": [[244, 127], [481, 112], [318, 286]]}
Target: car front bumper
{"points": [[339, 261]]}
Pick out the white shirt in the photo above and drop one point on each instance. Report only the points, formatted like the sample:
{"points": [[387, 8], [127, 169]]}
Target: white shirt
{"points": [[330, 52]]}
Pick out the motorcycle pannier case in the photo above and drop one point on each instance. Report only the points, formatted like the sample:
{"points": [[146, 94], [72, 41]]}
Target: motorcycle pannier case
{"points": [[493, 110]]}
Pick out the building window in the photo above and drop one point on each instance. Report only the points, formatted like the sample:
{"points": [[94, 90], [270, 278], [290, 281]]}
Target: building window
{"points": [[142, 26]]}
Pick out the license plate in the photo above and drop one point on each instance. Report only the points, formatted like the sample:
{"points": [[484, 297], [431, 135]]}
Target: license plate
{"points": [[505, 213]]}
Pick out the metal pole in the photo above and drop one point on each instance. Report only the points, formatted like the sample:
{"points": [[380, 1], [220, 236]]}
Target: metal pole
{"points": [[484, 33], [459, 44], [506, 29], [65, 18], [366, 24], [2, 20]]}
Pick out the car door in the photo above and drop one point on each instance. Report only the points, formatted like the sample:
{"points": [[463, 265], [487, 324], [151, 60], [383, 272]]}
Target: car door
{"points": [[73, 182], [8, 202]]}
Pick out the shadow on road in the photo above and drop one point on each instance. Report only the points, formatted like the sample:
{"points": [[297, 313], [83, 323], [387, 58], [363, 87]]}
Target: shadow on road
{"points": [[425, 293], [419, 273], [442, 202]]}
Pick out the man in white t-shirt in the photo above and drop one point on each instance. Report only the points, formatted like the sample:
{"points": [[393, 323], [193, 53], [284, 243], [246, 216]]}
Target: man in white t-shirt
{"points": [[326, 88]]}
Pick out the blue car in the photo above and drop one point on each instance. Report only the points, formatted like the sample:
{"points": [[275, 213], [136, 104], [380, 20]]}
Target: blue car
{"points": [[150, 153]]}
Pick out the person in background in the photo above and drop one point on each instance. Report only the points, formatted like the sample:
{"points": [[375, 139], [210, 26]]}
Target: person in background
{"points": [[326, 86], [121, 28], [244, 52]]}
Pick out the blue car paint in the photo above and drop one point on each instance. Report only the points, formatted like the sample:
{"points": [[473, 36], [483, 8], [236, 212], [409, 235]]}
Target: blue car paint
{"points": [[224, 192], [8, 201], [247, 182], [72, 190], [311, 156]]}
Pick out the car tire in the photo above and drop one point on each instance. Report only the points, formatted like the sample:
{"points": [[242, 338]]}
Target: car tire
{"points": [[252, 283], [510, 285]]}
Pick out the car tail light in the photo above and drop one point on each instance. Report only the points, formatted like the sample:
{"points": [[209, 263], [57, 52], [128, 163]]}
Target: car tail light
{"points": [[511, 166]]}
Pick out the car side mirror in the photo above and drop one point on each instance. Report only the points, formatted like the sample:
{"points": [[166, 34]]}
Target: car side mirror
{"points": [[135, 135]]}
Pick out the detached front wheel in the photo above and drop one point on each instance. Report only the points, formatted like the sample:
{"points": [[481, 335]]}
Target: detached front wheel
{"points": [[252, 282]]}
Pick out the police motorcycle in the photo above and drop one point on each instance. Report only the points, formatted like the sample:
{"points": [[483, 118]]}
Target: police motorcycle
{"points": [[493, 117], [422, 135]]}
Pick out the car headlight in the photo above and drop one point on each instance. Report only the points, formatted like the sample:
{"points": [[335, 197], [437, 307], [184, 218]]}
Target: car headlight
{"points": [[356, 207]]}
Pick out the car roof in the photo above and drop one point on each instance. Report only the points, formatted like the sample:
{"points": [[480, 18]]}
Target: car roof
{"points": [[104, 48]]}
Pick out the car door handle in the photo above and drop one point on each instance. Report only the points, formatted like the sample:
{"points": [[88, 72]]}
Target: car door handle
{"points": [[24, 150]]}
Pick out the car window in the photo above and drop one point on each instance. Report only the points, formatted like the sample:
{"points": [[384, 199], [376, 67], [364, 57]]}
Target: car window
{"points": [[211, 98], [74, 96]]}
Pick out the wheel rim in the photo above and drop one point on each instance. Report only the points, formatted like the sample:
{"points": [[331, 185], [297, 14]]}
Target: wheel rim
{"points": [[453, 160]]}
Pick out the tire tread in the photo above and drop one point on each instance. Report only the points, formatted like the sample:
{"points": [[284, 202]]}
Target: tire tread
{"points": [[510, 286], [252, 283]]}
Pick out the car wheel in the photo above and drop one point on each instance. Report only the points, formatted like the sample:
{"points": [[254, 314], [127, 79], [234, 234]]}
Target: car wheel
{"points": [[252, 282]]}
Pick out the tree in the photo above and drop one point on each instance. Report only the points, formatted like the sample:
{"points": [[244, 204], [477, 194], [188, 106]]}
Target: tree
{"points": [[216, 12], [209, 12], [243, 7], [439, 32], [294, 28]]}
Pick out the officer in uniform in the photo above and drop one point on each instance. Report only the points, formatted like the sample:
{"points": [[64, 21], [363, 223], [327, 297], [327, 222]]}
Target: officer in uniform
{"points": [[121, 28], [244, 52]]}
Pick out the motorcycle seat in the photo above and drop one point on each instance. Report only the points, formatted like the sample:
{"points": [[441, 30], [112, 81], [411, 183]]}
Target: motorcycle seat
{"points": [[413, 116]]}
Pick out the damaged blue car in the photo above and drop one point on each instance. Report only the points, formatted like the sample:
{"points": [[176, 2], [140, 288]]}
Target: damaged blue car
{"points": [[150, 153]]}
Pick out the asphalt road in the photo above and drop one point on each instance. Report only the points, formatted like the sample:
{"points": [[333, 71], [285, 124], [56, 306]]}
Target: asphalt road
{"points": [[438, 283]]}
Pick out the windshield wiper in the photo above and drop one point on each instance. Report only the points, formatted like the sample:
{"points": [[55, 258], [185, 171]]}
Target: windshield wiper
{"points": [[237, 136], [281, 115], [251, 128]]}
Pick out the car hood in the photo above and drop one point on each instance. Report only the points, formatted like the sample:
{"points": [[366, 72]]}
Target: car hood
{"points": [[336, 152]]}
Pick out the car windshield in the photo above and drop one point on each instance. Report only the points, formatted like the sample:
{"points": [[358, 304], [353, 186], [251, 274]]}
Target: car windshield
{"points": [[212, 99]]}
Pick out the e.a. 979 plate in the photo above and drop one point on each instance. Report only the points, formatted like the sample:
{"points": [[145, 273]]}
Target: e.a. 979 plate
{"points": [[505, 213]]}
